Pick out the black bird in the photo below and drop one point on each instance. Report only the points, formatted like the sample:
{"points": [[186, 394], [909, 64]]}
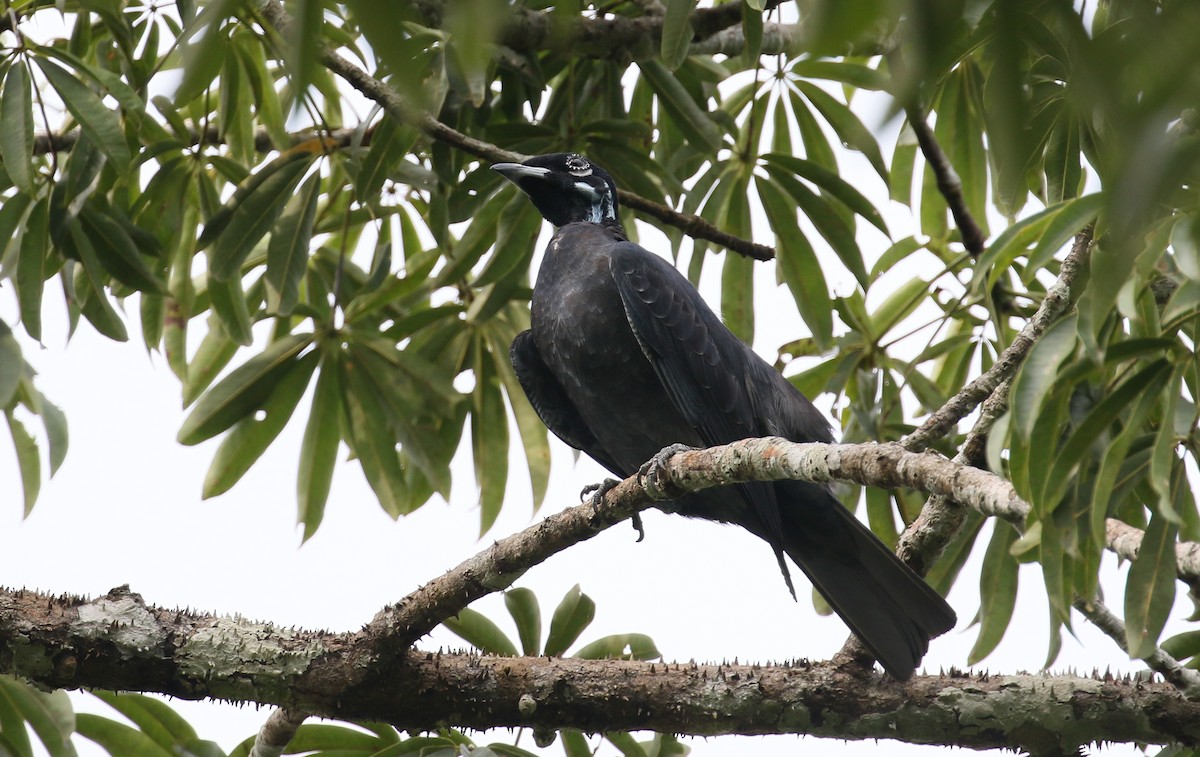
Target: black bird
{"points": [[624, 358]]}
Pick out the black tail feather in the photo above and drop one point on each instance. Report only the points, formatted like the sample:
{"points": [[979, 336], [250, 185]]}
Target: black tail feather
{"points": [[885, 603]]}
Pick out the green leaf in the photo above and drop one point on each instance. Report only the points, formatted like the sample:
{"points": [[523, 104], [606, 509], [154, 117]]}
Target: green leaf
{"points": [[752, 30], [534, 436], [573, 614], [854, 74], [243, 391], [676, 32], [477, 630], [522, 605], [118, 253], [287, 253], [251, 217], [1150, 590], [892, 256], [489, 437], [251, 436], [832, 224], [318, 451], [229, 304], [371, 438], [622, 646], [97, 120], [737, 295], [155, 718], [831, 183], [55, 423], [213, 354], [16, 138], [1091, 430], [202, 60], [695, 124], [389, 144], [96, 305], [997, 591], [118, 739], [1039, 371], [12, 365], [304, 42], [847, 125], [49, 714], [899, 305], [798, 264], [315, 737], [1072, 216]]}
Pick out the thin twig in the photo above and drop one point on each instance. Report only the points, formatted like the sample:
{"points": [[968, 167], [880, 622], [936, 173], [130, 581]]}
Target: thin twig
{"points": [[1053, 306], [948, 181], [1184, 679]]}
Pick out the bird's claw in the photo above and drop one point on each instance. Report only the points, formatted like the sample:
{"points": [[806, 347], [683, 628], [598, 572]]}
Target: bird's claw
{"points": [[604, 487], [650, 474], [598, 490]]}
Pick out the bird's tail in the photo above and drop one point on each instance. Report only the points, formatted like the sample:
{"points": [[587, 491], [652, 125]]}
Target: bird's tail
{"points": [[887, 605]]}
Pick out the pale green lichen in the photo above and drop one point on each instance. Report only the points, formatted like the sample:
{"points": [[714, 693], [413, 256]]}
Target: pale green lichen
{"points": [[122, 620], [233, 648]]}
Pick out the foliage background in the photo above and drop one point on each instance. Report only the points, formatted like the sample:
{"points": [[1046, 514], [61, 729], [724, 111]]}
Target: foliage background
{"points": [[1026, 100]]}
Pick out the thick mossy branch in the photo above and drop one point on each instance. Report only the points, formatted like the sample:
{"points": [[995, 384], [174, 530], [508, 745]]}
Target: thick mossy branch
{"points": [[118, 642]]}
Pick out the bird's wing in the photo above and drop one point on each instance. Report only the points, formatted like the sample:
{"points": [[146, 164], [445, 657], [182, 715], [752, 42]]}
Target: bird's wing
{"points": [[551, 403], [701, 364]]}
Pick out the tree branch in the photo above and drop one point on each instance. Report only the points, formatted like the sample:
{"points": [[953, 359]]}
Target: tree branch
{"points": [[1184, 679], [395, 105], [948, 182], [277, 733], [1054, 305], [118, 642]]}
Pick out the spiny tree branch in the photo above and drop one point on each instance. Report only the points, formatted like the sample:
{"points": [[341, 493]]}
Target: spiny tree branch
{"points": [[119, 642]]}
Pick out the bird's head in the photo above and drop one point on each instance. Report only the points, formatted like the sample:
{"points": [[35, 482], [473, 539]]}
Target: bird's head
{"points": [[565, 186]]}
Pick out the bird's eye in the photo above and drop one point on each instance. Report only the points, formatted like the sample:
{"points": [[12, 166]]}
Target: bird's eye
{"points": [[578, 165]]}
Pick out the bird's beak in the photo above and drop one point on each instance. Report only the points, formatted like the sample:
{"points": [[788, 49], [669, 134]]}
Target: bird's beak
{"points": [[515, 172]]}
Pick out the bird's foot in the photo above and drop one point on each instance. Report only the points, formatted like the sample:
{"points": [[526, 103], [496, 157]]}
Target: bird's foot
{"points": [[636, 522], [598, 490], [604, 487], [652, 473]]}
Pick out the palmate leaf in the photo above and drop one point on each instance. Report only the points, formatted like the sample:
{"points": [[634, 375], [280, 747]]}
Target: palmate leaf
{"points": [[573, 614], [676, 32], [523, 606], [16, 138], [691, 120], [96, 119], [480, 632], [243, 391], [489, 435], [245, 219], [318, 451], [287, 253], [251, 436], [997, 591], [49, 714], [798, 264], [1150, 590]]}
